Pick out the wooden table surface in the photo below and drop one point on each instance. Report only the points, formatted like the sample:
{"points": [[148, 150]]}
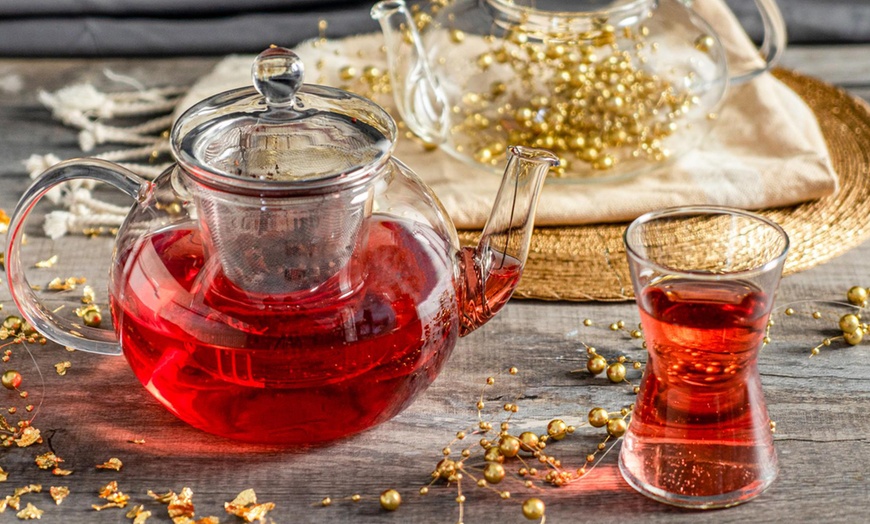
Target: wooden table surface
{"points": [[821, 405]]}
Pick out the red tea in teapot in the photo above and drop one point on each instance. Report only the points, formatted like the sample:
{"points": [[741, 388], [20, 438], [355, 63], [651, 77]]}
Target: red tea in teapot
{"points": [[270, 369]]}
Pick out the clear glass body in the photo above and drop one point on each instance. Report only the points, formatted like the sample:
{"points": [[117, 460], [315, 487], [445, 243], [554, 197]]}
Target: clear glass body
{"points": [[613, 87], [705, 278], [299, 365]]}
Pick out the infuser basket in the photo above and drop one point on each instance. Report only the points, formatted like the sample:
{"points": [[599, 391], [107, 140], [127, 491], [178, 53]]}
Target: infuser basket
{"points": [[297, 158]]}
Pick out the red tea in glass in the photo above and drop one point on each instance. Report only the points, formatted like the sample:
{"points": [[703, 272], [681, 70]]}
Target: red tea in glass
{"points": [[259, 368], [700, 435]]}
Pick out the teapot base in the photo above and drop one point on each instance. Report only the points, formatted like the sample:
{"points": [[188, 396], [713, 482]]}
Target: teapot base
{"points": [[288, 373]]}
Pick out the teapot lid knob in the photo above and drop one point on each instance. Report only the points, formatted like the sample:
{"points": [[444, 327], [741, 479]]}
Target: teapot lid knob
{"points": [[277, 74]]}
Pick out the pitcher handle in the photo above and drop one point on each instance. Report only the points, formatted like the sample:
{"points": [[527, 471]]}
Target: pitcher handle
{"points": [[773, 44], [43, 319]]}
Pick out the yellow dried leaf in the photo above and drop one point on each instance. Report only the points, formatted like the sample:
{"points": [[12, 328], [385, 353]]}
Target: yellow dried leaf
{"points": [[208, 520], [138, 514], [3, 475], [88, 295], [138, 441], [65, 285], [30, 512], [58, 493], [163, 498], [181, 505], [45, 264], [29, 436], [47, 460], [108, 505], [108, 489], [112, 463], [245, 506], [61, 472], [33, 488], [62, 367], [13, 502], [3, 504], [244, 498]]}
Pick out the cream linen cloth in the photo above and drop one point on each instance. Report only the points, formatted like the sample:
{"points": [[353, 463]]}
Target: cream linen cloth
{"points": [[765, 150]]}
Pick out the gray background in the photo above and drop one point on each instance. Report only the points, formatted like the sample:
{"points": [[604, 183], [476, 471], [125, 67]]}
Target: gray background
{"points": [[216, 27]]}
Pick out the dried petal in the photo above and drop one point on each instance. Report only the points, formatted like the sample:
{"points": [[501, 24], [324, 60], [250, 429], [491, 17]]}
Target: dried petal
{"points": [[4, 221], [13, 502], [65, 285], [61, 472], [29, 436], [61, 367], [88, 295], [139, 441], [44, 264], [245, 506], [108, 489], [47, 460], [249, 496], [163, 498], [112, 463], [108, 505], [33, 488], [138, 514], [181, 505], [58, 493], [30, 512], [3, 475]]}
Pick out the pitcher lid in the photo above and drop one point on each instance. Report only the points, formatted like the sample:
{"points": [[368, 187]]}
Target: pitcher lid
{"points": [[282, 134]]}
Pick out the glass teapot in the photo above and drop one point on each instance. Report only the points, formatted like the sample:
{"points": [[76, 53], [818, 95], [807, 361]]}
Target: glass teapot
{"points": [[288, 280], [613, 87]]}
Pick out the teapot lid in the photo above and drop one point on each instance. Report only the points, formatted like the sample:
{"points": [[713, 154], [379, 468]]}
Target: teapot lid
{"points": [[282, 134]]}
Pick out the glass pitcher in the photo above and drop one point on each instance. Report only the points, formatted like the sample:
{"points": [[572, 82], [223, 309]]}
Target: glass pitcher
{"points": [[613, 87]]}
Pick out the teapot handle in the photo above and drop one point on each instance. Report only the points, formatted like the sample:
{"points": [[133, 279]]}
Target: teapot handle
{"points": [[40, 317], [773, 44]]}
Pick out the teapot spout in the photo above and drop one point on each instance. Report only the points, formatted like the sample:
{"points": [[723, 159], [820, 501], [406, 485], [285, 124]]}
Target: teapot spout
{"points": [[492, 270], [416, 90]]}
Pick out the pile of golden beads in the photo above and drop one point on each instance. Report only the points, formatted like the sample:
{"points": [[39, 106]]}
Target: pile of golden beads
{"points": [[583, 97]]}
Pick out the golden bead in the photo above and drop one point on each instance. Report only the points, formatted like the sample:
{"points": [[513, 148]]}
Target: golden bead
{"points": [[616, 372], [424, 490], [11, 379], [457, 36], [596, 364], [493, 472], [347, 73], [12, 323], [588, 321], [445, 468], [616, 427], [391, 500], [326, 501], [490, 381], [513, 371], [460, 435], [557, 429], [480, 404], [853, 339], [528, 441], [460, 499], [598, 417], [509, 446], [533, 508], [505, 495], [849, 323], [817, 315], [705, 43], [493, 454], [789, 311], [355, 498], [857, 295]]}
